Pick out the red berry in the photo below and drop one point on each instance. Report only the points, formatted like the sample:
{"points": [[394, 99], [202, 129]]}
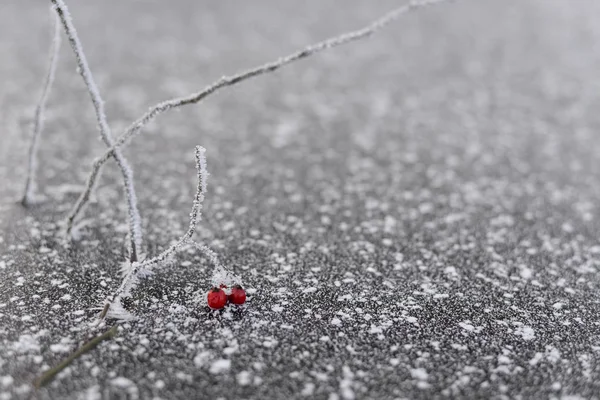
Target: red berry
{"points": [[238, 295], [216, 298]]}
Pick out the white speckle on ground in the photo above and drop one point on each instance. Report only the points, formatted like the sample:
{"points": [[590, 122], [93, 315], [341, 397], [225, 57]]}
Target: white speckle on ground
{"points": [[202, 358], [419, 374], [127, 385], [244, 378], [26, 344], [308, 390], [526, 332], [6, 381], [219, 366], [60, 348], [346, 384], [469, 327]]}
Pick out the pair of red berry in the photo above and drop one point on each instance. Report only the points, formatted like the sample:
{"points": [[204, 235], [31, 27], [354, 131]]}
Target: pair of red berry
{"points": [[217, 298]]}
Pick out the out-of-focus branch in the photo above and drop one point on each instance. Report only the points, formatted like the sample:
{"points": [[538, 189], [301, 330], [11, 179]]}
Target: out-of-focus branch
{"points": [[38, 120]]}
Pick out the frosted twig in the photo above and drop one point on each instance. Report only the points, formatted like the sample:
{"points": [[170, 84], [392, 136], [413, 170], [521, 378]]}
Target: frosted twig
{"points": [[135, 230], [38, 120], [225, 81], [132, 274]]}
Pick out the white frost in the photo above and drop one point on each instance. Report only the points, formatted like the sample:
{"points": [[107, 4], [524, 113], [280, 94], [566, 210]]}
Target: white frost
{"points": [[219, 366], [243, 378], [526, 332], [419, 373]]}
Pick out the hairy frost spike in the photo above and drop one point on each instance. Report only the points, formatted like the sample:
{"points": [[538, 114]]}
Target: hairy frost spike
{"points": [[136, 270], [225, 81], [118, 312], [135, 230], [38, 121]]}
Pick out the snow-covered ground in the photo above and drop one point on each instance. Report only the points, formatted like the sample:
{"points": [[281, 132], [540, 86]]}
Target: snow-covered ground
{"points": [[413, 216]]}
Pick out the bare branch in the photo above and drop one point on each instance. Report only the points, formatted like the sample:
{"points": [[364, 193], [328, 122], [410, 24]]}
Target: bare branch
{"points": [[225, 81], [135, 230], [38, 121], [112, 307], [51, 373], [195, 214]]}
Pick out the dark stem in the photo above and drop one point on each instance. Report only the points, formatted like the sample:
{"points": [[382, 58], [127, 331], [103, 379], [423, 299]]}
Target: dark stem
{"points": [[104, 311], [51, 373], [133, 257]]}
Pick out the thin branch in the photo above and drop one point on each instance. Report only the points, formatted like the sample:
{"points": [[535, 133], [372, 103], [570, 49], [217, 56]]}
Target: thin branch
{"points": [[195, 214], [225, 81], [38, 121], [51, 373], [132, 274], [135, 230], [104, 311], [212, 256]]}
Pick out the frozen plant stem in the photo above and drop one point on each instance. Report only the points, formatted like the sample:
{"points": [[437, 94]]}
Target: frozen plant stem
{"points": [[135, 230], [51, 373], [38, 120], [225, 81], [131, 275]]}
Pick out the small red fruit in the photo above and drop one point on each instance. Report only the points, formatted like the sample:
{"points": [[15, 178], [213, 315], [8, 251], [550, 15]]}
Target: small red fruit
{"points": [[216, 298], [238, 295]]}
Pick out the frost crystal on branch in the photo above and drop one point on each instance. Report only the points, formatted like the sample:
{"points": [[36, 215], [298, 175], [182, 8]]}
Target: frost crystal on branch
{"points": [[134, 272], [225, 81], [38, 121], [135, 230]]}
